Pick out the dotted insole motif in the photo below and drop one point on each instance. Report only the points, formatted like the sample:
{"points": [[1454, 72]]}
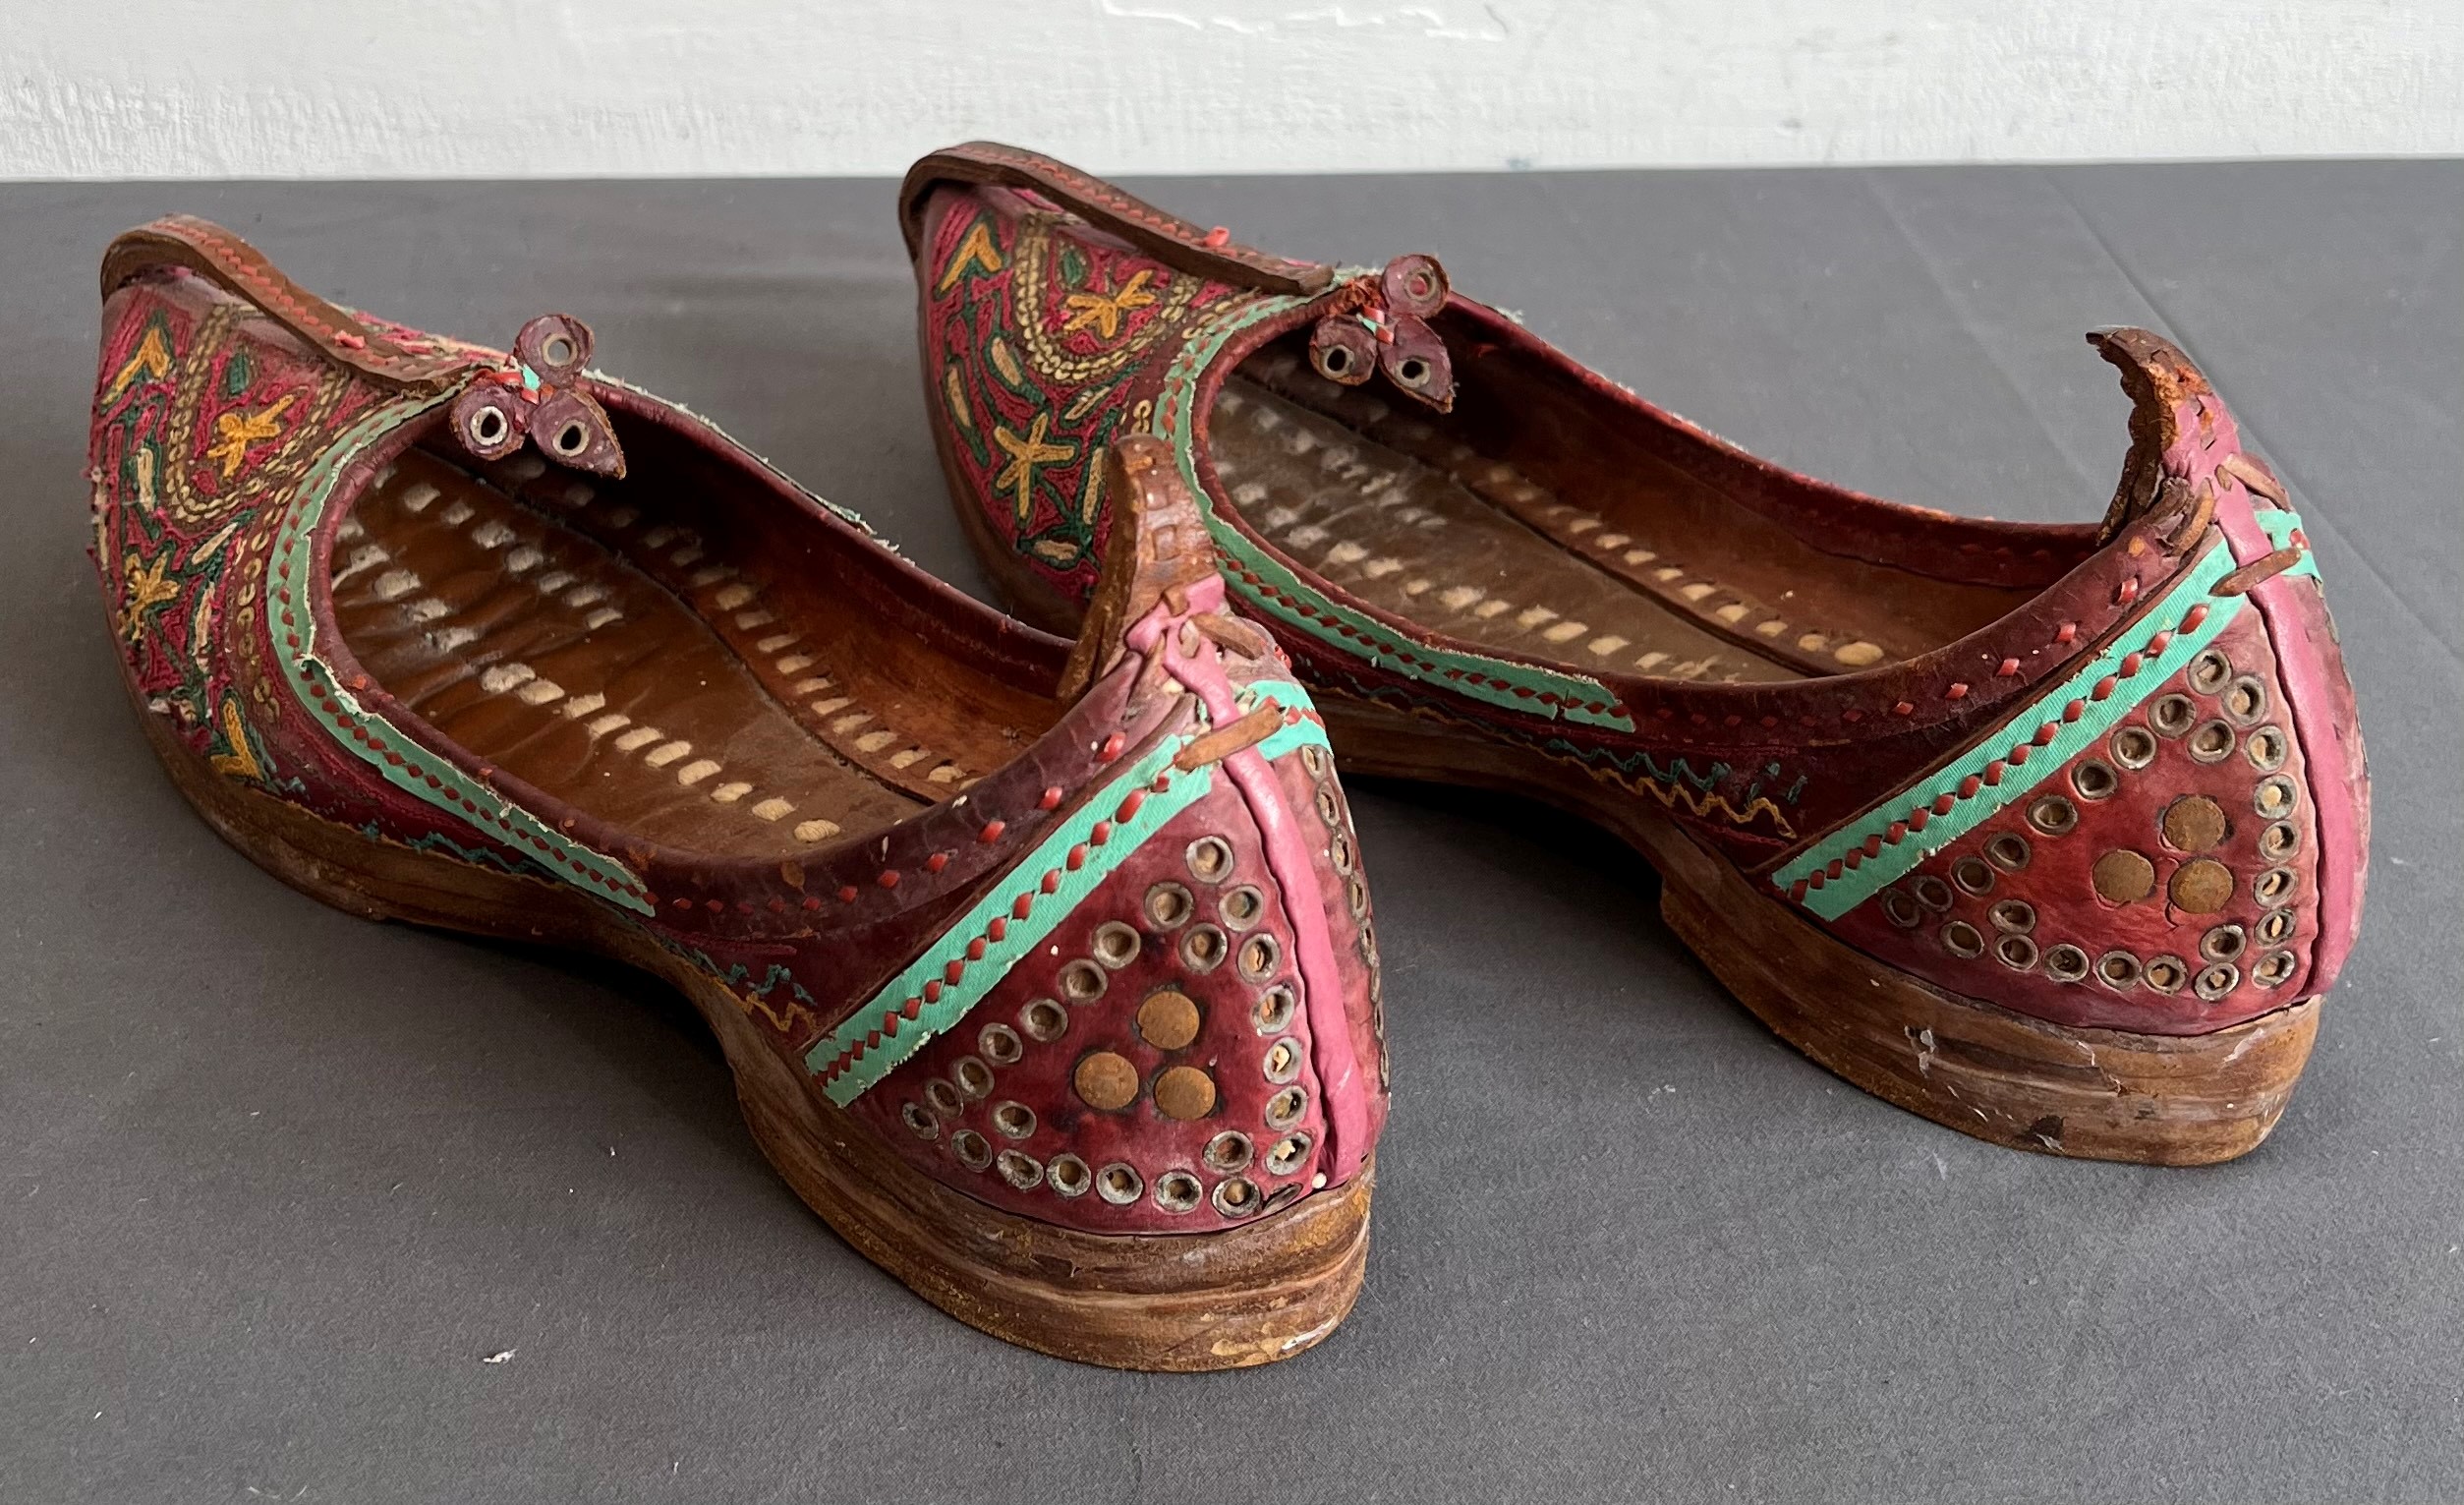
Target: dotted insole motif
{"points": [[1415, 541], [551, 655]]}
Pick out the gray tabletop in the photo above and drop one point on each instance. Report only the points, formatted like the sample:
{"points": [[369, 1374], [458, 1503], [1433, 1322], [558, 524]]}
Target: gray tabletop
{"points": [[274, 1180]]}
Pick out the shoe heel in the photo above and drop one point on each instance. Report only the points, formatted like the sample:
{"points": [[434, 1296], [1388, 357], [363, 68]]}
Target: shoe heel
{"points": [[1251, 1296], [2092, 1094]]}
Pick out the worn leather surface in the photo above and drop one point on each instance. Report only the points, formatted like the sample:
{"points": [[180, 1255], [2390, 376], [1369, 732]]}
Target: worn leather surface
{"points": [[278, 1180], [662, 683], [1768, 658]]}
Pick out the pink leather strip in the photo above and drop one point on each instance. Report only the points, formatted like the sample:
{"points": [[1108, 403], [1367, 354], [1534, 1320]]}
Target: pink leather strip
{"points": [[1330, 1033], [2313, 686]]}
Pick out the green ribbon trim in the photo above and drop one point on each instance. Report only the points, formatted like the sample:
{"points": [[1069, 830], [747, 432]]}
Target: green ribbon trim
{"points": [[1268, 588], [1837, 896], [382, 747], [1019, 938]]}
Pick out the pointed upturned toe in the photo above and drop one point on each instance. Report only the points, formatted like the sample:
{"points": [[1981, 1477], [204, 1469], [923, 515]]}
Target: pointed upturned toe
{"points": [[2055, 835], [1048, 981]]}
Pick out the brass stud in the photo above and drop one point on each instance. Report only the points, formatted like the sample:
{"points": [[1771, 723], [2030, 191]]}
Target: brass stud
{"points": [[1230, 1151], [1167, 1020], [1044, 1019], [1106, 1081], [2172, 715], [1185, 1092], [2210, 670], [2192, 822], [1119, 1184], [2201, 886], [1115, 945], [2123, 877], [2009, 852], [1237, 1198], [999, 1044], [1285, 1108], [2133, 747], [1241, 907], [1179, 1191], [1202, 949], [2053, 815], [973, 1078], [1210, 859], [2095, 779], [1283, 1061], [1069, 1176], [1170, 905], [1259, 955], [973, 1150]]}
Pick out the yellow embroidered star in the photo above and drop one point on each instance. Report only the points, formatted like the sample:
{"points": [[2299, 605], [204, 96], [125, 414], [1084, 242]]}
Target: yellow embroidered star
{"points": [[152, 360], [239, 431], [976, 250], [147, 589], [1104, 313], [241, 761], [1026, 452]]}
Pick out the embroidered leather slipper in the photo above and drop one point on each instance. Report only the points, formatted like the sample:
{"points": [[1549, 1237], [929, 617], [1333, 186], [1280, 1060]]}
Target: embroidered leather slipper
{"points": [[2055, 835], [1047, 980]]}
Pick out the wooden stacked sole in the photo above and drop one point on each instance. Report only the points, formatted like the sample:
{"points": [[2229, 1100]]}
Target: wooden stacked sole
{"points": [[1219, 1301]]}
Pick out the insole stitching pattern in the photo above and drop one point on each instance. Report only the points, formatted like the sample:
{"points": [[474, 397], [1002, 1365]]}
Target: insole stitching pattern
{"points": [[885, 752], [568, 584], [1394, 496]]}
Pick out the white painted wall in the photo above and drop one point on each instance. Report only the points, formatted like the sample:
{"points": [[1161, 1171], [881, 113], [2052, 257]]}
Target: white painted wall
{"points": [[102, 88]]}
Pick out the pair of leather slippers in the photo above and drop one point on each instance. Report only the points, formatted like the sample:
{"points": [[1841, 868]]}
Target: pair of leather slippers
{"points": [[1046, 966]]}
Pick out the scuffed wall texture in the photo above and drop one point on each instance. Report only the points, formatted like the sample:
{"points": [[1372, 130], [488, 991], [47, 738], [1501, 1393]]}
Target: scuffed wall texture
{"points": [[566, 87]]}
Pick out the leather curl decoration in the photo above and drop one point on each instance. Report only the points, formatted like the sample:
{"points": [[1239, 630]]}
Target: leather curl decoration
{"points": [[539, 397], [1383, 326]]}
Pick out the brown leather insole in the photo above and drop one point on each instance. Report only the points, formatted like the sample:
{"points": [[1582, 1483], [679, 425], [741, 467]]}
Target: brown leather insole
{"points": [[1413, 540], [1384, 501], [553, 657]]}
